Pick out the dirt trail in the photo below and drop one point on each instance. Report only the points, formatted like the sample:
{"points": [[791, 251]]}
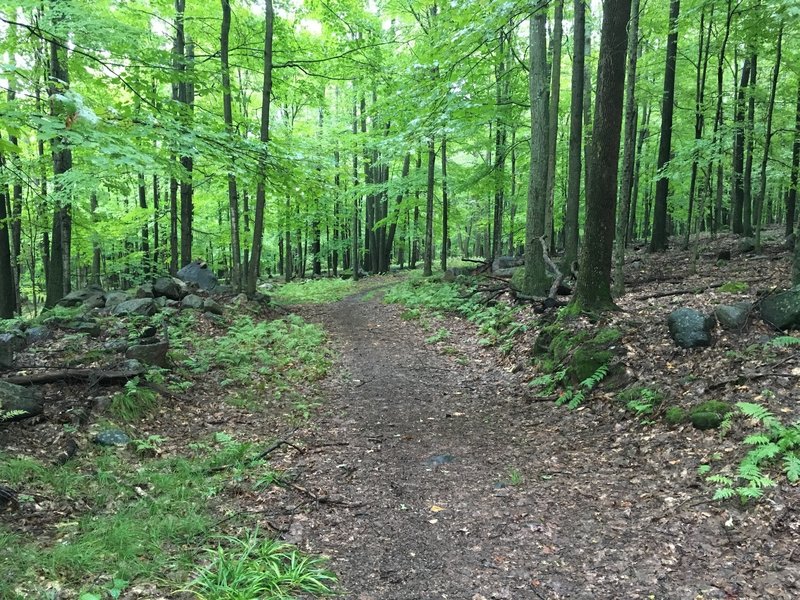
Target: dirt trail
{"points": [[600, 511]]}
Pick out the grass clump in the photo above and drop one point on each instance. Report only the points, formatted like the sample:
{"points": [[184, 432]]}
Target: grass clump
{"points": [[314, 291], [254, 567], [734, 287]]}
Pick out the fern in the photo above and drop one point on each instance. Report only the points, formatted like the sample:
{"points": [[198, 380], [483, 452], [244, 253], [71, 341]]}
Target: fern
{"points": [[573, 398], [791, 465], [784, 341], [590, 382], [758, 413]]}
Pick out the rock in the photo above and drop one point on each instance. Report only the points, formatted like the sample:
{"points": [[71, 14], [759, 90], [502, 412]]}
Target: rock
{"points": [[112, 437], [507, 262], [733, 317], [222, 290], [149, 354], [709, 415], [455, 272], [789, 241], [39, 333], [13, 340], [199, 273], [90, 328], [192, 301], [169, 287], [116, 346], [746, 245], [212, 306], [18, 398], [148, 332], [690, 328], [6, 357], [161, 301], [115, 298], [145, 291], [239, 301], [139, 306], [724, 255], [262, 299], [439, 459], [92, 296], [782, 310]]}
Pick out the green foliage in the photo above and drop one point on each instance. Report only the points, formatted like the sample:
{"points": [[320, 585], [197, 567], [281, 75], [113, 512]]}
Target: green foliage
{"points": [[775, 445], [785, 341], [675, 415], [641, 400], [441, 335], [134, 402], [316, 291], [255, 567], [574, 397], [735, 287]]}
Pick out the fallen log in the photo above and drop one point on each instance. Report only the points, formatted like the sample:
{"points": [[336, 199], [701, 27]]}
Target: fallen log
{"points": [[93, 376]]}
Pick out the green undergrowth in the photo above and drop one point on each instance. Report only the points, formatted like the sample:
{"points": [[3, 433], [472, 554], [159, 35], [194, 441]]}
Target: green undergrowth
{"points": [[314, 291], [135, 520], [426, 297]]}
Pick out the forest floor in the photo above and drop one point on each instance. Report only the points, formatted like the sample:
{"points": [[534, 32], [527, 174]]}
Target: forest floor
{"points": [[428, 468]]}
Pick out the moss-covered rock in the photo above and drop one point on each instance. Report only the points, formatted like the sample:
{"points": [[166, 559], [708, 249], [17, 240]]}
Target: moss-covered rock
{"points": [[586, 361], [675, 415], [709, 414]]}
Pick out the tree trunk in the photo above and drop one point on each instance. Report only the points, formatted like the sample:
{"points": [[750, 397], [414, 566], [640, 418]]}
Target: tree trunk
{"points": [[8, 302], [737, 187], [571, 226], [145, 233], [747, 197], [552, 129], [501, 97], [266, 92], [227, 111], [717, 220], [762, 188], [156, 232], [58, 280], [355, 248], [187, 161], [626, 185], [644, 131], [427, 269], [536, 282], [658, 242], [445, 207], [96, 255], [593, 291], [791, 196]]}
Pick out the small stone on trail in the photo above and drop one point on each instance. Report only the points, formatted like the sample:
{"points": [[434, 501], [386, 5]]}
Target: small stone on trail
{"points": [[733, 317], [439, 459], [112, 437]]}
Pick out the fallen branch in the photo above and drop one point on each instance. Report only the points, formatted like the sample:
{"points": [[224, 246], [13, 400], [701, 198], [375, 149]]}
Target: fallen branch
{"points": [[92, 376], [687, 291]]}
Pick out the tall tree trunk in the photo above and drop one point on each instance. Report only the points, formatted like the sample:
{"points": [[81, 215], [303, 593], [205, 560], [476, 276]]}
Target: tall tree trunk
{"points": [[258, 221], [445, 207], [717, 220], [737, 187], [571, 227], [393, 227], [628, 156], [593, 291], [415, 226], [427, 269], [552, 129], [791, 195], [644, 131], [536, 282], [8, 302], [501, 97], [187, 161], [355, 247], [227, 111], [96, 254], [173, 224], [58, 280], [658, 242], [156, 231], [749, 126], [762, 188]]}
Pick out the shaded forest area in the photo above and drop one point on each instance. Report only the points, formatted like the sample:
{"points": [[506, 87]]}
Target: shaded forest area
{"points": [[314, 137]]}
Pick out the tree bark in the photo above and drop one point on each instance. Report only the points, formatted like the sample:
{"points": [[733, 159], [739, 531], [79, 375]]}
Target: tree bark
{"points": [[628, 156], [717, 220], [536, 281], [571, 227], [145, 233], [8, 302], [445, 207], [266, 98], [762, 189], [658, 242], [791, 195], [737, 187], [593, 291], [227, 111], [552, 129], [747, 196], [427, 269]]}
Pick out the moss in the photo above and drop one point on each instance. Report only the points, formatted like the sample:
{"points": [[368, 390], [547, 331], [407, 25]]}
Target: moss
{"points": [[706, 420], [675, 415], [735, 287], [586, 361], [713, 406], [518, 278], [607, 336]]}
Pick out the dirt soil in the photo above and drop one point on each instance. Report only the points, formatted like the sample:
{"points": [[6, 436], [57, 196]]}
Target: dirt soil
{"points": [[460, 487]]}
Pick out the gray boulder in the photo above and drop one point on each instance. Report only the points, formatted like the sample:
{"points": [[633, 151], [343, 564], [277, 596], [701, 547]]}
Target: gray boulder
{"points": [[90, 328], [192, 301], [92, 296], [117, 346], [39, 333], [6, 357], [507, 262], [14, 340], [198, 272], [149, 354], [112, 437], [145, 291], [782, 310], [746, 245], [733, 317], [690, 328], [17, 398], [169, 287], [139, 306], [115, 298], [212, 306]]}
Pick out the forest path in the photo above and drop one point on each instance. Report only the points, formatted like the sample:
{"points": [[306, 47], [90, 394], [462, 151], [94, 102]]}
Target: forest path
{"points": [[592, 516]]}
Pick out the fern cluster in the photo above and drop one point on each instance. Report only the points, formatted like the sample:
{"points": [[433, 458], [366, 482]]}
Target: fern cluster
{"points": [[574, 397], [777, 443]]}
